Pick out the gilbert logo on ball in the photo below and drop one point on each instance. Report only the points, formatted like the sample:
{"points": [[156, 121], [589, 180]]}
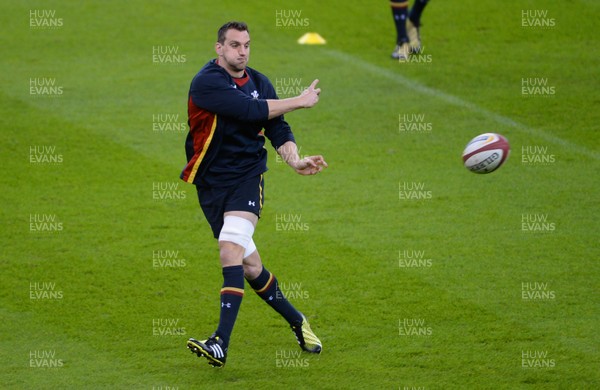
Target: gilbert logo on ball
{"points": [[486, 153]]}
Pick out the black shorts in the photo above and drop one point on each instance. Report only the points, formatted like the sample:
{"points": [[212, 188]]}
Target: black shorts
{"points": [[244, 196]]}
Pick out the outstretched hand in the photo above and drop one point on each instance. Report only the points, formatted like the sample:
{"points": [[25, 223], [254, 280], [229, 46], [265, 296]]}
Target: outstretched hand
{"points": [[310, 96], [310, 165]]}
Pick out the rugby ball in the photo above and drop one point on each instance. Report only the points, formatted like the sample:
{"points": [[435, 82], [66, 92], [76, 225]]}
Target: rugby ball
{"points": [[486, 153]]}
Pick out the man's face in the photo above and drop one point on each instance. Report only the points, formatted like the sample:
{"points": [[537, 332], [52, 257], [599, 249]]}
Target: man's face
{"points": [[235, 51]]}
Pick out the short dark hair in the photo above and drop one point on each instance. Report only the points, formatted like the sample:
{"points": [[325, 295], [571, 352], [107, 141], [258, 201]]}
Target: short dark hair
{"points": [[240, 26]]}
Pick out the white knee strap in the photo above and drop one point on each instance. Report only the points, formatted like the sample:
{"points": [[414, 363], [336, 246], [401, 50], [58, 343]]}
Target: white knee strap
{"points": [[250, 249], [237, 230]]}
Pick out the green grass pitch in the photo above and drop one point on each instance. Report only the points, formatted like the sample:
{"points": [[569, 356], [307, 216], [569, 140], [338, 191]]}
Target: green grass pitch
{"points": [[414, 272]]}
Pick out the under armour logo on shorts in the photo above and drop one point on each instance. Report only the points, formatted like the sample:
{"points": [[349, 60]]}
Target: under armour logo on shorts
{"points": [[251, 203]]}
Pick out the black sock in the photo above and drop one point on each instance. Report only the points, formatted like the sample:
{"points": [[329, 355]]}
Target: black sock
{"points": [[400, 13], [231, 299], [267, 287], [416, 10]]}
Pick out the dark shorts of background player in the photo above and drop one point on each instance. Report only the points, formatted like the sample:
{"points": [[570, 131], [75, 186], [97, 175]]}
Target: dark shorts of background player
{"points": [[247, 195]]}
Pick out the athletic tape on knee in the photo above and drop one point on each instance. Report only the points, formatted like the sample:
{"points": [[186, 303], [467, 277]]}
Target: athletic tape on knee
{"points": [[237, 230], [250, 248]]}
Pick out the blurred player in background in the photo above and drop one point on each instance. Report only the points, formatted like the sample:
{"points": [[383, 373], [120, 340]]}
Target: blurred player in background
{"points": [[407, 23], [231, 109]]}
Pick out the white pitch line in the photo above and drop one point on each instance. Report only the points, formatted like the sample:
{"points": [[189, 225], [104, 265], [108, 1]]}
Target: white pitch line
{"points": [[456, 101]]}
